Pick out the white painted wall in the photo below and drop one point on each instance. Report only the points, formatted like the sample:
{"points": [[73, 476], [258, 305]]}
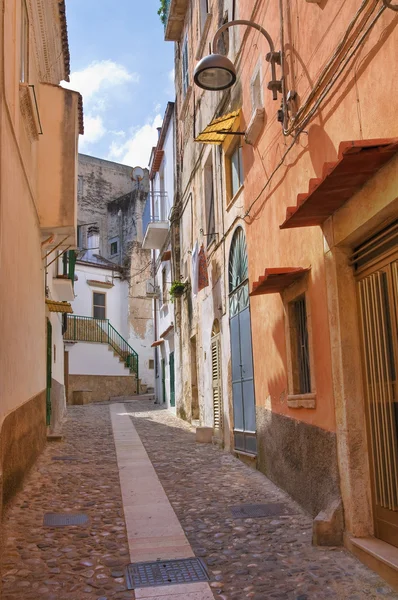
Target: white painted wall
{"points": [[87, 358], [116, 297], [56, 322]]}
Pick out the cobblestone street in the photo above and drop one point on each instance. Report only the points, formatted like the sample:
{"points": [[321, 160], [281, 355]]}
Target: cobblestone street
{"points": [[247, 558]]}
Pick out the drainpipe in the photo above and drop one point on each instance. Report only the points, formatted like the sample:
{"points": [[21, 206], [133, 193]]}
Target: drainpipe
{"points": [[155, 302]]}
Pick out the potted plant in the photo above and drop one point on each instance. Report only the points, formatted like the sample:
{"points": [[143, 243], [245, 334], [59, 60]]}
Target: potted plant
{"points": [[177, 289], [162, 12]]}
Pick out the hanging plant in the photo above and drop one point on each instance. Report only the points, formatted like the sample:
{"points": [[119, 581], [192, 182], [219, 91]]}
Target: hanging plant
{"points": [[162, 12], [177, 289]]}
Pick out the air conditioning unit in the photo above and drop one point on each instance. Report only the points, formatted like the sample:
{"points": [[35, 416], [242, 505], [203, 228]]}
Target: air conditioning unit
{"points": [[152, 290]]}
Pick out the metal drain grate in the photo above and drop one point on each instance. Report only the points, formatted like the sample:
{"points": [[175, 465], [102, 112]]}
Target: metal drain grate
{"points": [[165, 572], [64, 519], [64, 458], [256, 511]]}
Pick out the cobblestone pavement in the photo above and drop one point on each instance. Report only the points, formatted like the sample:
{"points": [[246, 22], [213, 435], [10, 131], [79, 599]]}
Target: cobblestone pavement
{"points": [[258, 559], [69, 563]]}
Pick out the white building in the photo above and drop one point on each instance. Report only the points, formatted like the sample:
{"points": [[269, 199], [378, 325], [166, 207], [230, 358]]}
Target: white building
{"points": [[156, 230]]}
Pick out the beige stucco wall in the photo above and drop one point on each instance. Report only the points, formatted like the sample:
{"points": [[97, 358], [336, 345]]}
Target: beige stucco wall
{"points": [[23, 311]]}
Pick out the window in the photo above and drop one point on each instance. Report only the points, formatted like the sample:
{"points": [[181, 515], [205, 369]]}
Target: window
{"points": [[204, 11], [24, 64], [299, 346], [80, 185], [185, 71], [99, 305], [151, 364], [236, 170], [209, 201], [164, 287], [114, 247]]}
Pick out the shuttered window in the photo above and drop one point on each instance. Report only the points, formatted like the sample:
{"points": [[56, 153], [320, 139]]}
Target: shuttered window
{"points": [[216, 382]]}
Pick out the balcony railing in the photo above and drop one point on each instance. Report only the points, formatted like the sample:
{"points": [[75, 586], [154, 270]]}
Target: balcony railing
{"points": [[155, 222]]}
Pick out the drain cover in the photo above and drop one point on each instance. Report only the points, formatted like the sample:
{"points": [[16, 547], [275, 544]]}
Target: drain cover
{"points": [[256, 511], [165, 572], [64, 458], [64, 519]]}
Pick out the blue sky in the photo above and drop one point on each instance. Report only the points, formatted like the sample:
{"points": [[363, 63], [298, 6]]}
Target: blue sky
{"points": [[124, 69]]}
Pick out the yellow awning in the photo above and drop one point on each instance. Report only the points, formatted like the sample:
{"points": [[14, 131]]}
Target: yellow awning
{"points": [[218, 129], [60, 307]]}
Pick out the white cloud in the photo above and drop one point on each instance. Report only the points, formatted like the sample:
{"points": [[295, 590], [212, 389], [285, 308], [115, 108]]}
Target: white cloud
{"points": [[94, 130], [137, 149], [100, 76], [171, 75]]}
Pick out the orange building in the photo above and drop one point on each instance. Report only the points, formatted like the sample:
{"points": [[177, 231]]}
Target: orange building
{"points": [[306, 214]]}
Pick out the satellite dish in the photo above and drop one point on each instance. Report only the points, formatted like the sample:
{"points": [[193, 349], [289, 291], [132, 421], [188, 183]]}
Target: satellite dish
{"points": [[138, 174]]}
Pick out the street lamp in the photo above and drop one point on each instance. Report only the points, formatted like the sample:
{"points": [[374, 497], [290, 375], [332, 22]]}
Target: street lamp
{"points": [[216, 72]]}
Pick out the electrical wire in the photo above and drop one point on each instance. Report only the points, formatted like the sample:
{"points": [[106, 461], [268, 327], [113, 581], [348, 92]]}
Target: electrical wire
{"points": [[328, 68]]}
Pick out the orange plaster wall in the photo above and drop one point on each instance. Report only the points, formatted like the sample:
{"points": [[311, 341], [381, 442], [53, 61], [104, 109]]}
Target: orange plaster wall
{"points": [[362, 106]]}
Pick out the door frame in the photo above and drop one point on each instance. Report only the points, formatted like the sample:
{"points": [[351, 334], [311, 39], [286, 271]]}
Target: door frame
{"points": [[385, 520]]}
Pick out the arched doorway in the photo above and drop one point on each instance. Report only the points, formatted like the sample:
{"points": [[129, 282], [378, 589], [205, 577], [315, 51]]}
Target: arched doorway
{"points": [[216, 379], [241, 347]]}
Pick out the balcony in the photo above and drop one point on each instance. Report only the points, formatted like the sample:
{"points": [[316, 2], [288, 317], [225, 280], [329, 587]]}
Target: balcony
{"points": [[155, 224], [175, 17], [56, 199], [64, 282]]}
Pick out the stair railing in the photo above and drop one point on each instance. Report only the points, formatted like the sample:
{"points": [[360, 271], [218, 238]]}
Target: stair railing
{"points": [[88, 329]]}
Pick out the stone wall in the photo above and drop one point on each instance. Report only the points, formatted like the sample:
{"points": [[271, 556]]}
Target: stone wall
{"points": [[300, 458], [22, 438], [58, 406], [103, 387]]}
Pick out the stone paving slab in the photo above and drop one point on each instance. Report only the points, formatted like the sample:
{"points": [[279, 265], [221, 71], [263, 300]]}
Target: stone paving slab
{"points": [[69, 563], [257, 559]]}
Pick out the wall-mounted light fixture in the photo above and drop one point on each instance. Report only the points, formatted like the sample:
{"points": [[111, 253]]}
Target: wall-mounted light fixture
{"points": [[217, 72]]}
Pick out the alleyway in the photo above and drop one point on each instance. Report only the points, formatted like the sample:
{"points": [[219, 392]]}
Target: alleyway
{"points": [[247, 558]]}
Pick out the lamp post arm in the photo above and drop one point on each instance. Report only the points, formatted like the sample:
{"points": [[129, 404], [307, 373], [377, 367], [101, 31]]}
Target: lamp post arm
{"points": [[226, 26], [270, 57]]}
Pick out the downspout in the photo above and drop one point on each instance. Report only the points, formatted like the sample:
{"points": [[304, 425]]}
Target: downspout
{"points": [[155, 303]]}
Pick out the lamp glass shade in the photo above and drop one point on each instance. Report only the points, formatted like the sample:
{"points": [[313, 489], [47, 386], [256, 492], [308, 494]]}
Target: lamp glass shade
{"points": [[215, 72]]}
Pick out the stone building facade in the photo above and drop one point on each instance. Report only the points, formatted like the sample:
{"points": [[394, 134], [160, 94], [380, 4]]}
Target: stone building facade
{"points": [[296, 214]]}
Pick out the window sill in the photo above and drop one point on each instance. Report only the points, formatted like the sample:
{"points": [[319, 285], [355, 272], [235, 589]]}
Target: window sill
{"points": [[203, 37], [234, 198], [301, 401]]}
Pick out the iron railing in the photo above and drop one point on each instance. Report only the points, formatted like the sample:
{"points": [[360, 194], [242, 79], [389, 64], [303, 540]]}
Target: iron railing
{"points": [[161, 209], [88, 329]]}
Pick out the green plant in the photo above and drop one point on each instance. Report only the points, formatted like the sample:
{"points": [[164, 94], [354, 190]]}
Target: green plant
{"points": [[177, 289], [162, 12]]}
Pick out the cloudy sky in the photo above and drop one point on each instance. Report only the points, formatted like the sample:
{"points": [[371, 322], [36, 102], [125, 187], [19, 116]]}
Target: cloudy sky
{"points": [[124, 69]]}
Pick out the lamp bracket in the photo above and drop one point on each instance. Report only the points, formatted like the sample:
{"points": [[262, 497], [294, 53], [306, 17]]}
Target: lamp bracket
{"points": [[274, 57]]}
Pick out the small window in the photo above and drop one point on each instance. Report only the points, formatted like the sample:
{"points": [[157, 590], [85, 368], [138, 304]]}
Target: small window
{"points": [[151, 363], [209, 201], [99, 305], [185, 70], [204, 11], [236, 170], [80, 185], [299, 346], [114, 248], [24, 63]]}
